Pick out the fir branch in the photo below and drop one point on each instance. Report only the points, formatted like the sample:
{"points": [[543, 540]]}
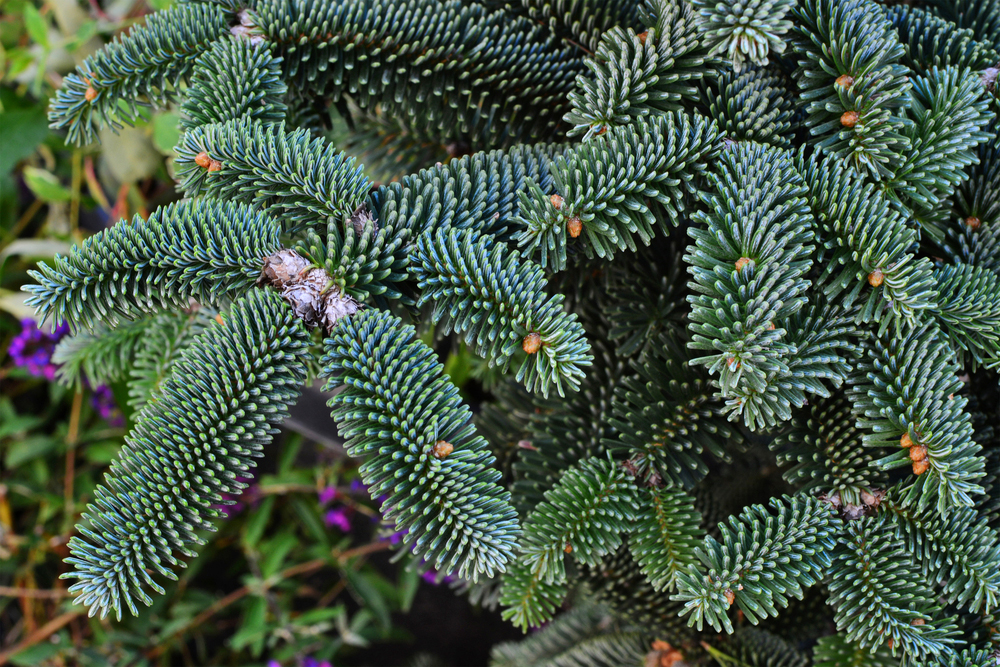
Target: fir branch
{"points": [[496, 79], [363, 259], [165, 339], [221, 406], [608, 187], [668, 416], [235, 78], [762, 558], [958, 551], [141, 69], [497, 301], [562, 433], [974, 238], [478, 191], [299, 180], [582, 622], [850, 79], [637, 75], [665, 535], [935, 42], [751, 105], [579, 22], [824, 448], [877, 597], [582, 515], [102, 356], [198, 250], [760, 648], [949, 117], [527, 599], [748, 261], [968, 309], [869, 242], [744, 31], [839, 651], [982, 17], [905, 393], [395, 410]]}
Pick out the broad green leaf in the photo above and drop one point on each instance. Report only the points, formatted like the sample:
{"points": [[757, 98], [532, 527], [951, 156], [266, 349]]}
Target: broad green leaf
{"points": [[45, 185], [37, 28]]}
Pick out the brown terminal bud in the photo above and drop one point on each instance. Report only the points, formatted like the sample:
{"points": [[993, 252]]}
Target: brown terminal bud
{"points": [[972, 222], [849, 118], [568, 548], [557, 201], [875, 278], [532, 343], [642, 36], [90, 94], [442, 449], [918, 453], [920, 467], [845, 81], [741, 262], [574, 227], [730, 596], [202, 160], [215, 165], [918, 621], [218, 318], [905, 440]]}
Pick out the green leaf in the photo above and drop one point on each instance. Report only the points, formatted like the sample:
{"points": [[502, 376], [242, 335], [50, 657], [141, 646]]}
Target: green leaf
{"points": [[20, 132], [253, 628], [30, 448], [37, 27], [276, 550], [45, 185], [254, 526], [361, 585], [166, 133]]}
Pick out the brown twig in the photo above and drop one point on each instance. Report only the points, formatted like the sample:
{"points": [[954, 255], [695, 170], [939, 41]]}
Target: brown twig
{"points": [[38, 635], [17, 591]]}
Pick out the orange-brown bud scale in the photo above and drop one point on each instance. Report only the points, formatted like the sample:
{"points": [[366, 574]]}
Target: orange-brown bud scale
{"points": [[918, 453], [845, 81], [532, 343], [90, 94], [730, 597], [972, 222], [442, 449], [215, 165], [568, 548], [920, 467], [741, 262], [905, 440], [202, 160], [557, 201], [574, 226], [875, 278], [849, 118], [642, 36]]}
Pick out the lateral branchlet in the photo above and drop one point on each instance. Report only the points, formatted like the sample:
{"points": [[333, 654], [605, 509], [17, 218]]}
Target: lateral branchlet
{"points": [[311, 291]]}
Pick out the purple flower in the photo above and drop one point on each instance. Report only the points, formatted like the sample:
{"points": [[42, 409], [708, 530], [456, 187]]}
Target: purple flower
{"points": [[338, 517], [103, 400], [312, 662], [357, 486], [273, 663], [431, 577], [32, 348], [327, 494]]}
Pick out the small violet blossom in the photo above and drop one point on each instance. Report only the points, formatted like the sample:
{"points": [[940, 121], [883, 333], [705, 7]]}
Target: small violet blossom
{"points": [[103, 400], [338, 517], [327, 494], [312, 662], [431, 577], [32, 348]]}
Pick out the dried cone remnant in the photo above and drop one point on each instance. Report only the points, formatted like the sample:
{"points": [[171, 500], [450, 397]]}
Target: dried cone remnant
{"points": [[309, 289], [442, 449], [532, 343], [845, 81], [972, 222], [875, 278], [574, 227], [849, 118]]}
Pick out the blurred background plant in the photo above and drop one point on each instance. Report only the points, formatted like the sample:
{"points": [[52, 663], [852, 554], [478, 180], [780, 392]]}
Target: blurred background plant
{"points": [[322, 588]]}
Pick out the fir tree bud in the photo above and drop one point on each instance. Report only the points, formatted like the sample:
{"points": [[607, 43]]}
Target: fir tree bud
{"points": [[557, 201], [214, 165], [905, 440], [875, 278], [202, 160], [442, 449], [90, 94], [574, 227], [918, 453], [642, 36], [972, 222], [741, 262], [849, 118], [532, 343], [920, 467], [845, 81]]}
